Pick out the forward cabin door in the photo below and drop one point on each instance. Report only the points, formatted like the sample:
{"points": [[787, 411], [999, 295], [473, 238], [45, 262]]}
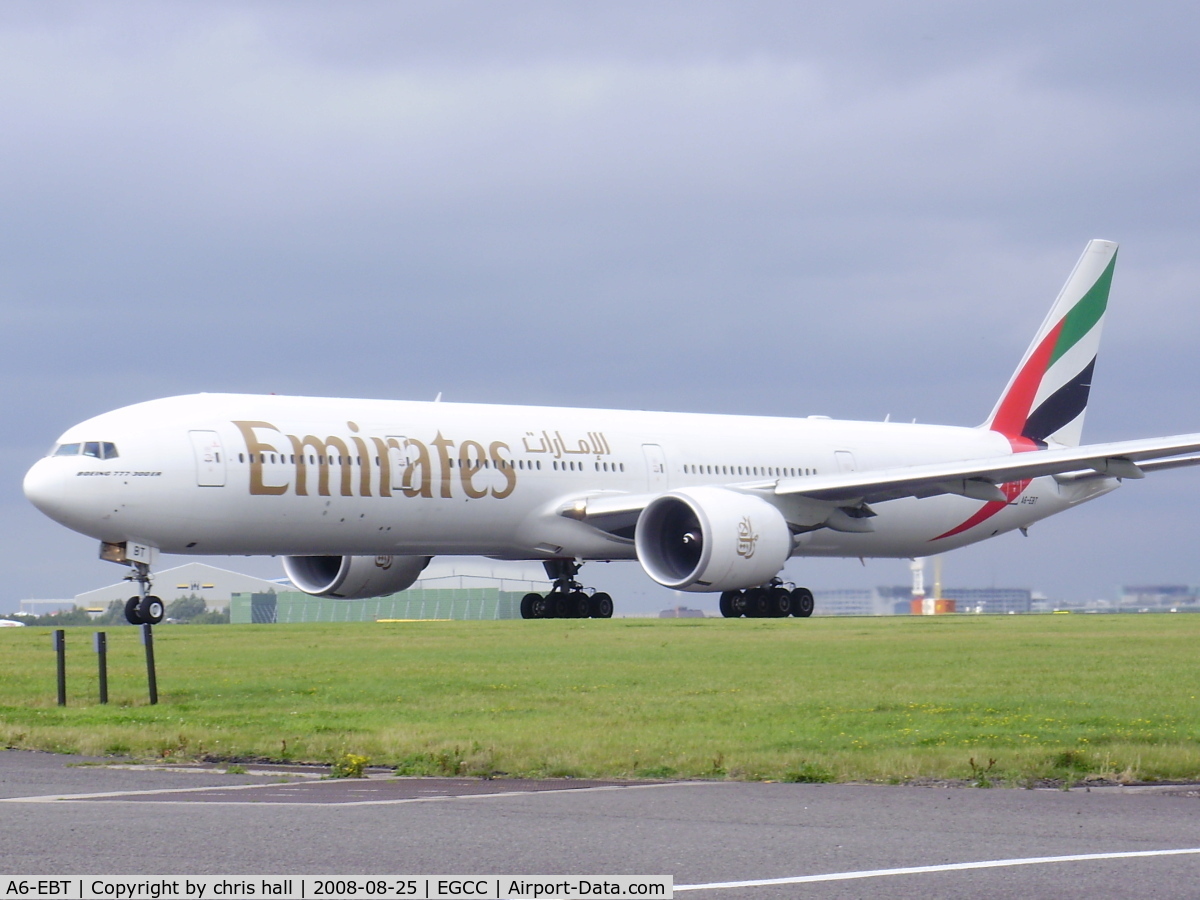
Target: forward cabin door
{"points": [[210, 458]]}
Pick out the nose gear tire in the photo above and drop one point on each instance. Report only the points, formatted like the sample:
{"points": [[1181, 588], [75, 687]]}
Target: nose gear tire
{"points": [[132, 616]]}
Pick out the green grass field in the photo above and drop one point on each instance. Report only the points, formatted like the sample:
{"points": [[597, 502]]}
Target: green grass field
{"points": [[892, 699]]}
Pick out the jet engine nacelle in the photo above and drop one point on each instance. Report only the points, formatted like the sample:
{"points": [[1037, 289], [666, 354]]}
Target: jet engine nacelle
{"points": [[353, 577], [711, 539]]}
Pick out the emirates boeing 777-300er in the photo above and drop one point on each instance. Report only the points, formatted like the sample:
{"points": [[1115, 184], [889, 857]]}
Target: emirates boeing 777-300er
{"points": [[358, 495]]}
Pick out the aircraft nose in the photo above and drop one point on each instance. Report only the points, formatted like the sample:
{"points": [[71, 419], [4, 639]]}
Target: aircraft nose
{"points": [[45, 489]]}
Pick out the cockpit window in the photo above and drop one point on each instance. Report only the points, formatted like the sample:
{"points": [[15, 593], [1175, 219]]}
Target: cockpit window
{"points": [[94, 449]]}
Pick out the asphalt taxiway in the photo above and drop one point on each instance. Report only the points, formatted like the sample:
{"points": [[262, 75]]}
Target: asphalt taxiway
{"points": [[62, 816]]}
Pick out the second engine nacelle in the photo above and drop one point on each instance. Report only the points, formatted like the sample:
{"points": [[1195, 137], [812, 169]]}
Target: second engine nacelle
{"points": [[353, 577], [711, 539]]}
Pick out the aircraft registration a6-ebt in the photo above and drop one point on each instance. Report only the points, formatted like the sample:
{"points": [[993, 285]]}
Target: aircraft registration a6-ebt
{"points": [[358, 495]]}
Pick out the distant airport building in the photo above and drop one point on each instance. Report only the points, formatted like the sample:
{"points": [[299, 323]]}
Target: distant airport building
{"points": [[472, 572], [449, 588], [851, 602], [215, 586], [681, 612], [897, 600], [288, 607], [991, 600], [1159, 598]]}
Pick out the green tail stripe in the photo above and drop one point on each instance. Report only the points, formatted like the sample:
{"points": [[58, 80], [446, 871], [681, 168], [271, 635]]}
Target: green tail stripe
{"points": [[1084, 314]]}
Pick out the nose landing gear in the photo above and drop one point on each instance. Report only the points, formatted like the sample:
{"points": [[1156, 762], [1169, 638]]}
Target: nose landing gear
{"points": [[145, 608], [566, 599]]}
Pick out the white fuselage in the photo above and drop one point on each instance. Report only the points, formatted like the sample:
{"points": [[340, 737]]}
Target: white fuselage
{"points": [[217, 474]]}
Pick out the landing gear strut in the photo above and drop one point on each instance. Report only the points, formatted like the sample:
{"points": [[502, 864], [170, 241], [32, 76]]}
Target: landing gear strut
{"points": [[771, 600], [145, 608], [567, 599]]}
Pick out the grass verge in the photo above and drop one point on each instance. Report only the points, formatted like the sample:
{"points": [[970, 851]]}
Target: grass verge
{"points": [[1016, 700]]}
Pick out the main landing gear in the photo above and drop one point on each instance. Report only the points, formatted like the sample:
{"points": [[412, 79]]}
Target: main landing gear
{"points": [[145, 608], [771, 601], [566, 599]]}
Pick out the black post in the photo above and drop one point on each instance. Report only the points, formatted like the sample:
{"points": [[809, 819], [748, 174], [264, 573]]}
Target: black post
{"points": [[148, 640], [60, 648], [101, 642]]}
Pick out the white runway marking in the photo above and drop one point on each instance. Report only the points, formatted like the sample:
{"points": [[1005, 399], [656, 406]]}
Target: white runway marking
{"points": [[301, 787], [117, 795], [921, 870]]}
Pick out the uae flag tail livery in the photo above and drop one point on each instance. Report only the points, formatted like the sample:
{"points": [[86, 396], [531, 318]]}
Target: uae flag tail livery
{"points": [[1045, 401]]}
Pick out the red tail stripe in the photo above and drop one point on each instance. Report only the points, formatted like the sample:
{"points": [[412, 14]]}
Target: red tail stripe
{"points": [[1012, 490], [1014, 408]]}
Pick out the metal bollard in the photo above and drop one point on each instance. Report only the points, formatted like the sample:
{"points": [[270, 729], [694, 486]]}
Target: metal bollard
{"points": [[151, 677], [100, 642], [60, 648]]}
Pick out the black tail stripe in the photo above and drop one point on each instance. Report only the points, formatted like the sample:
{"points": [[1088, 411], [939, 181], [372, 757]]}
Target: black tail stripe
{"points": [[1061, 407]]}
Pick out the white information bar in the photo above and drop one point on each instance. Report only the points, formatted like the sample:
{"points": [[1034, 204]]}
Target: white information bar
{"points": [[340, 887]]}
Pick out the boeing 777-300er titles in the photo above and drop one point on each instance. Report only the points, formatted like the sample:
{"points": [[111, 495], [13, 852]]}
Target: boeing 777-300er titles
{"points": [[358, 495]]}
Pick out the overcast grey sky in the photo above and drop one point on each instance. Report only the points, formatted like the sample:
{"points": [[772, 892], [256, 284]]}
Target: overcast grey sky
{"points": [[726, 207]]}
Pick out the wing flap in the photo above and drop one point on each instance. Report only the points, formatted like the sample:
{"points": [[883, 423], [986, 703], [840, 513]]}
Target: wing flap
{"points": [[1158, 465]]}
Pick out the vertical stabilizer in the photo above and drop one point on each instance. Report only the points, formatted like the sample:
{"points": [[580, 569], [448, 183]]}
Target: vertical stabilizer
{"points": [[1046, 398]]}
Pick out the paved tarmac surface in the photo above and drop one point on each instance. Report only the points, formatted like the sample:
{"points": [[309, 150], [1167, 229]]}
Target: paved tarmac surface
{"points": [[60, 816]]}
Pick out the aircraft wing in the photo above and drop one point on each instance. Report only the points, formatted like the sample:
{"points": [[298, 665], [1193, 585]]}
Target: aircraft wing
{"points": [[978, 478]]}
